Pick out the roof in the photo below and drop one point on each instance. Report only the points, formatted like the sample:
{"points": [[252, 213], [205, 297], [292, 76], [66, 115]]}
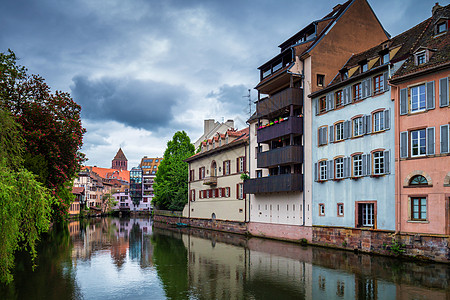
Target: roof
{"points": [[109, 173], [400, 46], [437, 45], [77, 190], [242, 137], [120, 155]]}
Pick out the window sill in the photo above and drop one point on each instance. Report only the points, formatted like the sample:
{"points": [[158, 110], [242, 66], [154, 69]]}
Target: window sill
{"points": [[418, 221], [377, 175], [417, 186], [356, 177]]}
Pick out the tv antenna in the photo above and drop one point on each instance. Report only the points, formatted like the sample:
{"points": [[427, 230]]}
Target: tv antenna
{"points": [[249, 104]]}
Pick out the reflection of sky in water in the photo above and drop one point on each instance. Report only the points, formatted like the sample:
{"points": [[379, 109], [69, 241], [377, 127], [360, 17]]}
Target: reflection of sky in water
{"points": [[99, 278]]}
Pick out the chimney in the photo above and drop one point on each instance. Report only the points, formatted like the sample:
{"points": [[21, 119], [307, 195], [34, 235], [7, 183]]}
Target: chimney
{"points": [[208, 125], [435, 7], [230, 124]]}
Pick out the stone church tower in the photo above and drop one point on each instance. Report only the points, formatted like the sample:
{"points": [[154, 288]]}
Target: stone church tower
{"points": [[120, 162]]}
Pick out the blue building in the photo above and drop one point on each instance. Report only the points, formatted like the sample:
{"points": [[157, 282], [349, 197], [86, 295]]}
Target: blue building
{"points": [[354, 141]]}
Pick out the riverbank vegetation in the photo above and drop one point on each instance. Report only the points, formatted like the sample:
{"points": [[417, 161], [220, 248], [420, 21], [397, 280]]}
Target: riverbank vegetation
{"points": [[40, 138]]}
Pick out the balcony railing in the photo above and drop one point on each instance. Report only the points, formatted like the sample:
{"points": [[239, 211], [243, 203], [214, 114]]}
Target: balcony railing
{"points": [[212, 180], [280, 156], [272, 184], [279, 100], [292, 125]]}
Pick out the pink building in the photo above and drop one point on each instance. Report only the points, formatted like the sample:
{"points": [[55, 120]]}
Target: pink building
{"points": [[420, 89]]}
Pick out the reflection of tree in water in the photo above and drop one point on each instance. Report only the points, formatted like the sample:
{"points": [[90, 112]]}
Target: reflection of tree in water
{"points": [[170, 261], [54, 276]]}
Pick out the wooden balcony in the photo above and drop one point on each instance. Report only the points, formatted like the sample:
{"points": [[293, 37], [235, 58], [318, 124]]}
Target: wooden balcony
{"points": [[281, 156], [212, 180], [292, 125], [273, 184], [280, 100]]}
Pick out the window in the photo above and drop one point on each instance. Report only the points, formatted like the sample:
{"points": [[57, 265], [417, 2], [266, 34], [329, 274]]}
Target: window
{"points": [[418, 208], [418, 98], [227, 192], [322, 104], [226, 167], [339, 167], [322, 136], [358, 128], [418, 142], [366, 214], [378, 84], [340, 209], [421, 58], [357, 91], [320, 79], [240, 191], [378, 163], [364, 67], [441, 27], [156, 160], [201, 173], [344, 74], [191, 175], [321, 209], [418, 180], [378, 121], [339, 134], [241, 164], [323, 170], [357, 165], [385, 58], [338, 99], [258, 173]]}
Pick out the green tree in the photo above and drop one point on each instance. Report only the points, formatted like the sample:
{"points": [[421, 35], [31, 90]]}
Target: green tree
{"points": [[171, 188], [25, 204], [50, 126]]}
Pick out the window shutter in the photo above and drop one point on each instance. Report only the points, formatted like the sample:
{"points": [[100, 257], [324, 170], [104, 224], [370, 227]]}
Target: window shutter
{"points": [[430, 95], [237, 165], [331, 133], [363, 89], [369, 85], [364, 165], [324, 135], [348, 95], [330, 169], [317, 106], [320, 137], [346, 129], [385, 83], [387, 162], [237, 191], [245, 163], [223, 168], [387, 119], [403, 101], [347, 161], [368, 164], [404, 144], [445, 139], [193, 195], [430, 140], [443, 92], [190, 195], [316, 172], [368, 125], [330, 101]]}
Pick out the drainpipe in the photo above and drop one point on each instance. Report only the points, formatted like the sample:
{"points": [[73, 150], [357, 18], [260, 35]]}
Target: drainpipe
{"points": [[303, 137], [189, 200], [245, 151]]}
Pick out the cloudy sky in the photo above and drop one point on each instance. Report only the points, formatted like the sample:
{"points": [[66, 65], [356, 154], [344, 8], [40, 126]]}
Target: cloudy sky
{"points": [[143, 69]]}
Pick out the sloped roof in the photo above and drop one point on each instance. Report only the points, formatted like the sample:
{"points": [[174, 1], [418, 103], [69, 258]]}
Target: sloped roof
{"points": [[77, 190], [120, 155], [109, 173], [438, 45]]}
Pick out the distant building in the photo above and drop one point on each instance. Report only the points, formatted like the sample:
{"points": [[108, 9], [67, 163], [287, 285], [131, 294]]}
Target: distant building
{"points": [[120, 162], [216, 190], [211, 128], [149, 166]]}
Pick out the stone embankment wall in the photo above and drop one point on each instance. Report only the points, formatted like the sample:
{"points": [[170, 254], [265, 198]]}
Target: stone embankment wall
{"points": [[418, 246]]}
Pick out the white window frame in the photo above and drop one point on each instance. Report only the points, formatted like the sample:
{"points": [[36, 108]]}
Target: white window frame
{"points": [[339, 168], [358, 128], [321, 209], [368, 214], [323, 170], [378, 163], [339, 131], [357, 165], [420, 139], [378, 121], [416, 98], [241, 191], [340, 209]]}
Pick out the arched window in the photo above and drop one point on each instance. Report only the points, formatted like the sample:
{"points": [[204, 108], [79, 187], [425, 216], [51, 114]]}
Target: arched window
{"points": [[418, 180], [213, 169]]}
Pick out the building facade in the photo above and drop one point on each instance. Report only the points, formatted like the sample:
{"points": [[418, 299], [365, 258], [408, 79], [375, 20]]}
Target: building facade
{"points": [[149, 166], [216, 190], [421, 92], [281, 184], [211, 128]]}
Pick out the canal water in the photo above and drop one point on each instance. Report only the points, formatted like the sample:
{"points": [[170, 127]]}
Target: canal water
{"points": [[112, 258]]}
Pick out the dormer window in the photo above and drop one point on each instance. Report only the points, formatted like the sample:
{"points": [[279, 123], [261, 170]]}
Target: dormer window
{"points": [[320, 79], [420, 57], [441, 27], [344, 74], [385, 58], [364, 67]]}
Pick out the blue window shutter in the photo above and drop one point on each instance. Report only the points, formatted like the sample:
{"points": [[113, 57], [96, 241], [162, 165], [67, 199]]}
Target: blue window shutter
{"points": [[331, 133], [368, 124], [364, 164], [430, 95], [443, 92], [404, 144], [430, 140], [346, 129], [403, 101], [385, 81], [368, 164], [316, 165], [330, 169], [330, 101], [387, 119], [445, 139], [347, 169], [387, 162], [317, 106], [369, 87]]}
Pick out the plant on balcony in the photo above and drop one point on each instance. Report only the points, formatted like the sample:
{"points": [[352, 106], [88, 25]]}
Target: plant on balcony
{"points": [[244, 176]]}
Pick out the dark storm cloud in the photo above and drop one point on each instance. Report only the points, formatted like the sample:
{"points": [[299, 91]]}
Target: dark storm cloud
{"points": [[136, 103], [231, 98]]}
